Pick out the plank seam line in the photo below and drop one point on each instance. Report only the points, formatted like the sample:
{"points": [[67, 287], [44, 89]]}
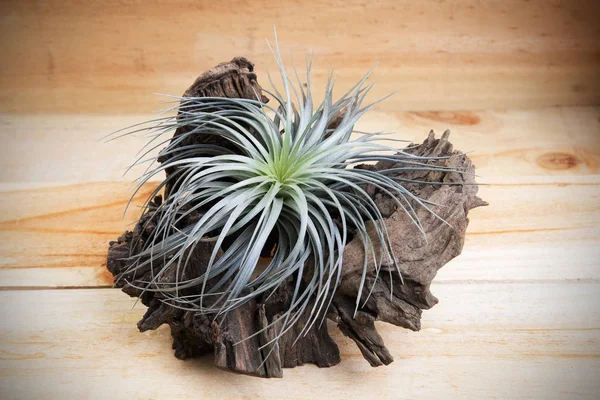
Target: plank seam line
{"points": [[441, 282]]}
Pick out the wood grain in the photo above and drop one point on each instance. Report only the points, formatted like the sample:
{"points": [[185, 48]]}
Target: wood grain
{"points": [[110, 56], [516, 341], [61, 233]]}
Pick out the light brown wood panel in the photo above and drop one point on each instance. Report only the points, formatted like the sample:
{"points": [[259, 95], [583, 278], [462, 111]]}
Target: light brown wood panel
{"points": [[549, 145], [516, 341], [58, 236], [61, 233], [110, 56]]}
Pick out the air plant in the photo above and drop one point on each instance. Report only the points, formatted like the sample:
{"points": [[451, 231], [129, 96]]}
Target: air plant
{"points": [[284, 172]]}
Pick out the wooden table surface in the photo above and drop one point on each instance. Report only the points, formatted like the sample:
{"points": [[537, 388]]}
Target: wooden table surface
{"points": [[519, 313]]}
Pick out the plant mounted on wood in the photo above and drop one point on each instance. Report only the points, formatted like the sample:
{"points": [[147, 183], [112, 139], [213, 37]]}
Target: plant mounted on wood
{"points": [[294, 182]]}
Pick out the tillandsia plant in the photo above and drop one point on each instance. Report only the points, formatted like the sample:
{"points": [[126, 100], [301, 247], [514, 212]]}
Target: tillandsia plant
{"points": [[285, 179], [286, 172]]}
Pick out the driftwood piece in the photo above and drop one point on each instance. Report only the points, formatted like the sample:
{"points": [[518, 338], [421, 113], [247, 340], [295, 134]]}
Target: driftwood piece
{"points": [[196, 335], [397, 300], [233, 79]]}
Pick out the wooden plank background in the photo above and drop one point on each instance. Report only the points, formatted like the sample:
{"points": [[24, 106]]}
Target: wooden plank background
{"points": [[109, 56], [517, 82], [499, 340]]}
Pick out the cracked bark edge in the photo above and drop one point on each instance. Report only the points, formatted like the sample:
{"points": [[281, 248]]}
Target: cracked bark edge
{"points": [[233, 79], [419, 259]]}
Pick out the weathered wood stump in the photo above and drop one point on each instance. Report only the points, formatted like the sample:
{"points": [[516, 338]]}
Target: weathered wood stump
{"points": [[393, 300]]}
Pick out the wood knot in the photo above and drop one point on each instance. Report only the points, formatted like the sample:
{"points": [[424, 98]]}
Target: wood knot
{"points": [[558, 161], [451, 117]]}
